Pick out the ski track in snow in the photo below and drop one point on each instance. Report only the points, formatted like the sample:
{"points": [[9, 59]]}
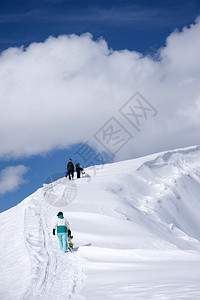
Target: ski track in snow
{"points": [[52, 271], [139, 219]]}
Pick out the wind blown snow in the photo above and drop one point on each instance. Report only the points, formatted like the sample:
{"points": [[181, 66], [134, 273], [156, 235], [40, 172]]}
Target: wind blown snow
{"points": [[136, 230]]}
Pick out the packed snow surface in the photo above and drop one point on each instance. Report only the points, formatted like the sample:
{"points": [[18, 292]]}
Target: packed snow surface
{"points": [[136, 228]]}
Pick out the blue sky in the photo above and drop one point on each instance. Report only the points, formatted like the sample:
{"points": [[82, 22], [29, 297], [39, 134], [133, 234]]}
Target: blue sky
{"points": [[140, 26], [136, 25]]}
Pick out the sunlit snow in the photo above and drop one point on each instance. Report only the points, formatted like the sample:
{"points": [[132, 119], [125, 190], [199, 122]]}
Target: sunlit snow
{"points": [[136, 229]]}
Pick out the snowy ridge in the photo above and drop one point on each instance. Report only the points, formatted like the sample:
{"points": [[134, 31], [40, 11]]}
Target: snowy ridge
{"points": [[175, 189], [136, 230]]}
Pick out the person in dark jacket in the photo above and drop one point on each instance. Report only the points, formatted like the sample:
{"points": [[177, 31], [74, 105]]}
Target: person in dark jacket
{"points": [[70, 169], [79, 169]]}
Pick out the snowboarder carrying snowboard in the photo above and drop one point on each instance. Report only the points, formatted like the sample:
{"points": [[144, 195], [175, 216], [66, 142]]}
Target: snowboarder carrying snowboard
{"points": [[79, 169], [62, 226], [70, 169]]}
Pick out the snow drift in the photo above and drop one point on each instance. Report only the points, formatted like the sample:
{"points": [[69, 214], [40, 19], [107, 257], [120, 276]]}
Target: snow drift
{"points": [[136, 230]]}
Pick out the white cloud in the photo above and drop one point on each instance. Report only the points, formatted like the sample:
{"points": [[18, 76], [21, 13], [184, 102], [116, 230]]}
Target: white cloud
{"points": [[11, 177], [60, 92]]}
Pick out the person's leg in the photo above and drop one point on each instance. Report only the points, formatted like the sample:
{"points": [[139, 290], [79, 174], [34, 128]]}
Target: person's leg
{"points": [[60, 240], [72, 175], [64, 241]]}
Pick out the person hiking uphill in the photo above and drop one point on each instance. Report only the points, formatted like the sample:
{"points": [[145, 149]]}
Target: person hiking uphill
{"points": [[79, 169], [70, 169], [62, 226]]}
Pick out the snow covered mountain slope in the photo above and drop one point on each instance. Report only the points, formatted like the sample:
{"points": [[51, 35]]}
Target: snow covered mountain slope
{"points": [[136, 230]]}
